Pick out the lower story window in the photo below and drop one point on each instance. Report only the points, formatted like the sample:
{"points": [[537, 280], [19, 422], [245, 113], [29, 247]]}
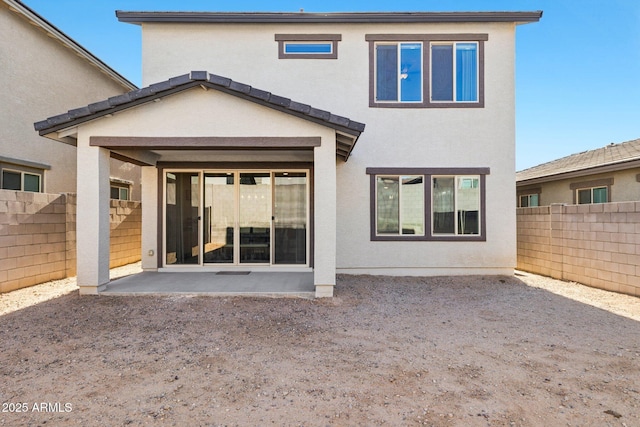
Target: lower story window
{"points": [[120, 191], [400, 205], [21, 181], [528, 200], [427, 203], [592, 195], [456, 205]]}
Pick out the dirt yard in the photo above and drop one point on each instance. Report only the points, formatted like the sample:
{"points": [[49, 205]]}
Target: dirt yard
{"points": [[473, 351]]}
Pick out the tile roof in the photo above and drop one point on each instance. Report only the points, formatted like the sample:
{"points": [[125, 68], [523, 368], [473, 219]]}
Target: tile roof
{"points": [[610, 155], [202, 78]]}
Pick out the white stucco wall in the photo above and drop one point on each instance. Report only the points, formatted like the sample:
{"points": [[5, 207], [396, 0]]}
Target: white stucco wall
{"points": [[42, 78], [447, 137]]}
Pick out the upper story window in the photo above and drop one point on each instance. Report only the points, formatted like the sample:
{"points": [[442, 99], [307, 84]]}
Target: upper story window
{"points": [[454, 72], [426, 70], [398, 72], [312, 48], [308, 46]]}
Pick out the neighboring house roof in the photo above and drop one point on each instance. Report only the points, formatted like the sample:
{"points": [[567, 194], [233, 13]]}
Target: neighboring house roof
{"points": [[311, 18], [609, 158], [28, 13], [346, 139]]}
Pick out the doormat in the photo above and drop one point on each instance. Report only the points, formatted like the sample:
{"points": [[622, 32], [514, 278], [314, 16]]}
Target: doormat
{"points": [[233, 273]]}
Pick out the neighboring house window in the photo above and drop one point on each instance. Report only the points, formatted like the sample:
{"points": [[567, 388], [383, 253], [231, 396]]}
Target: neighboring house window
{"points": [[308, 46], [426, 70], [428, 203], [20, 180], [596, 191], [120, 190], [528, 200], [592, 195]]}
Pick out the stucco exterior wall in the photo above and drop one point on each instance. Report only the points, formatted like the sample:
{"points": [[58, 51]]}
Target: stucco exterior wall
{"points": [[407, 137], [625, 187], [42, 78]]}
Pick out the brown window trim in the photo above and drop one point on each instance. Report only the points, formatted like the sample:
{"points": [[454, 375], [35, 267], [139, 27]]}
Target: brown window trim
{"points": [[596, 183], [428, 173], [330, 38], [426, 39]]}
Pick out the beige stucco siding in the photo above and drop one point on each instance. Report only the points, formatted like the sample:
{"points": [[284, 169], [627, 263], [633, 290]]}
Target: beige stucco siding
{"points": [[420, 137], [625, 187], [42, 78], [200, 112]]}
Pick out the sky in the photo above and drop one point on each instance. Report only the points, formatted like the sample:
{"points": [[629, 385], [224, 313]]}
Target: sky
{"points": [[577, 70]]}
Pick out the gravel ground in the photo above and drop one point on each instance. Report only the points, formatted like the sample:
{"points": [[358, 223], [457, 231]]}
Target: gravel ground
{"points": [[444, 351]]}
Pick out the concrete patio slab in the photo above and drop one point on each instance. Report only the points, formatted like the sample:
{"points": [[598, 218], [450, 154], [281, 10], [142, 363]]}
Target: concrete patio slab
{"points": [[267, 284]]}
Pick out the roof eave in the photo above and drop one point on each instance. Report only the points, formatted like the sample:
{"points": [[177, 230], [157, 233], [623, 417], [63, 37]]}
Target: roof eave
{"points": [[140, 17], [610, 167]]}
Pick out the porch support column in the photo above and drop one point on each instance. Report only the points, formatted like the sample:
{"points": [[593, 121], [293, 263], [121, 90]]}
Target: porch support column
{"points": [[92, 217], [150, 255], [324, 166]]}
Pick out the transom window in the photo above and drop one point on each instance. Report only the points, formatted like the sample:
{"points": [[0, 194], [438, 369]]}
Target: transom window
{"points": [[426, 70], [308, 46], [296, 48], [449, 207]]}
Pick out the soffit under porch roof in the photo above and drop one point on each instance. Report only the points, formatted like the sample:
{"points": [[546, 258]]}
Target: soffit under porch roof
{"points": [[347, 131]]}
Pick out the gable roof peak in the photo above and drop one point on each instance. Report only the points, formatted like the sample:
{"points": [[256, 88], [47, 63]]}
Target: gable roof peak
{"points": [[205, 79]]}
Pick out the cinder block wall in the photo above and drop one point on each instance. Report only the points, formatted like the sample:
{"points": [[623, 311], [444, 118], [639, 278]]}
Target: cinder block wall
{"points": [[597, 245], [126, 236], [38, 240]]}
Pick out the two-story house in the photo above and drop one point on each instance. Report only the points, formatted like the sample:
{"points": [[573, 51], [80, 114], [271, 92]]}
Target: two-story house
{"points": [[44, 71], [358, 143]]}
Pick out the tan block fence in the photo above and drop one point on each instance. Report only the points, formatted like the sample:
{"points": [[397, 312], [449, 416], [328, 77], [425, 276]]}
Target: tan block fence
{"points": [[38, 237], [597, 245]]}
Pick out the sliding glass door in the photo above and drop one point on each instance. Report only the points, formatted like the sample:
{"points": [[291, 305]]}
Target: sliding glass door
{"points": [[219, 217], [236, 218], [255, 217], [290, 217], [182, 218]]}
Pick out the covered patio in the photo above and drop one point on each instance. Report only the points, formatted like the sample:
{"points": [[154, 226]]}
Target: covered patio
{"points": [[234, 179]]}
